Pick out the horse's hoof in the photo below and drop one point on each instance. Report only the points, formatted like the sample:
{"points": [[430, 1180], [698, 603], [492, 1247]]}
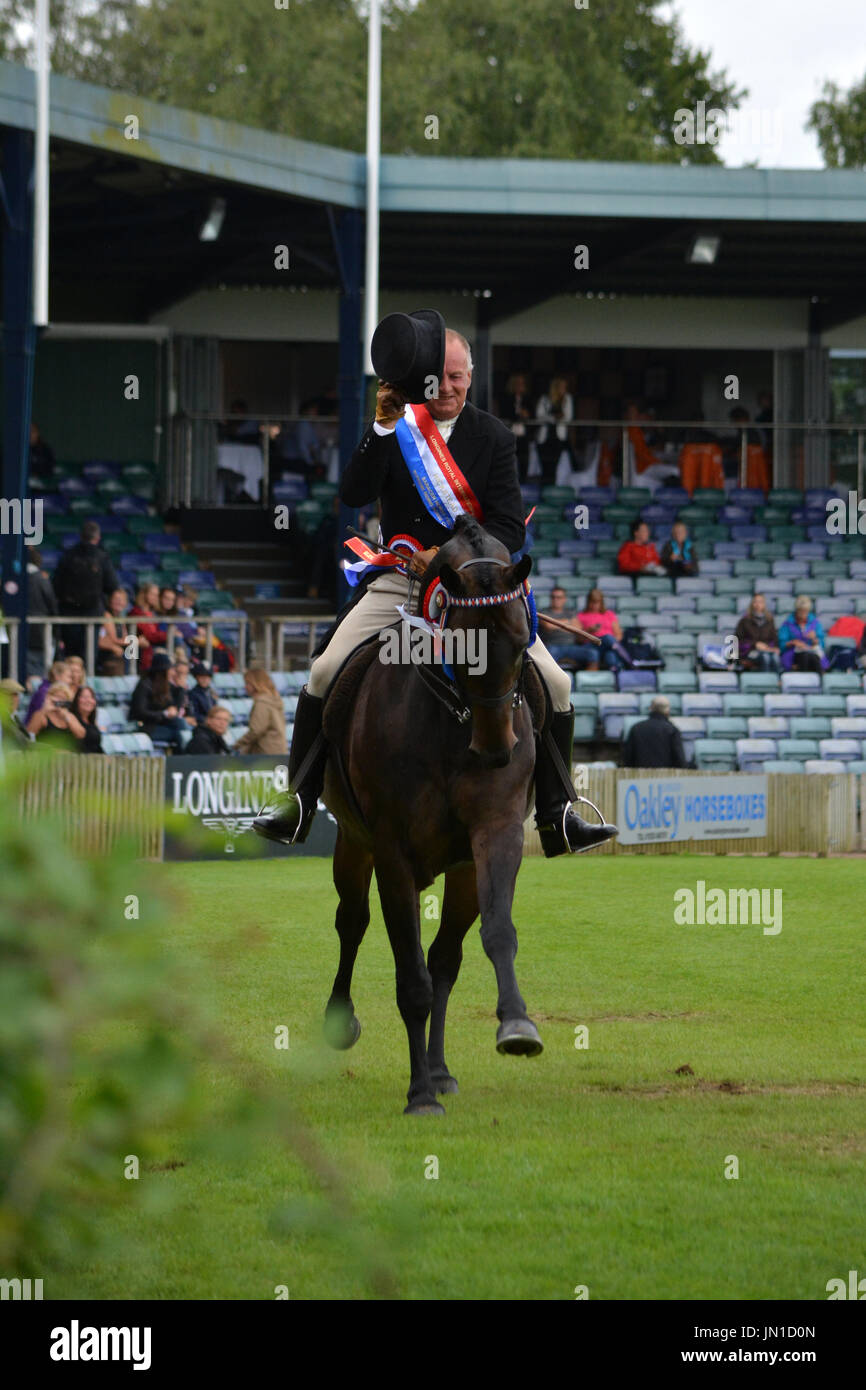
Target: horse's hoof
{"points": [[342, 1031], [518, 1037], [424, 1108], [445, 1085]]}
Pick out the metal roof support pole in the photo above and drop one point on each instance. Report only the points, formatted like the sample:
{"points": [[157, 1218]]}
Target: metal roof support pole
{"points": [[19, 344], [348, 233]]}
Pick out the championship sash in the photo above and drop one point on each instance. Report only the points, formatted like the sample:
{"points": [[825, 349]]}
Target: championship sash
{"points": [[444, 491]]}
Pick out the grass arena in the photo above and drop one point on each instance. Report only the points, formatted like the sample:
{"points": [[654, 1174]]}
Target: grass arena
{"points": [[699, 1105]]}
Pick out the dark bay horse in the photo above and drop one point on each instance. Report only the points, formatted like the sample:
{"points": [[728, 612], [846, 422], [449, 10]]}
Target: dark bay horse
{"points": [[436, 794]]}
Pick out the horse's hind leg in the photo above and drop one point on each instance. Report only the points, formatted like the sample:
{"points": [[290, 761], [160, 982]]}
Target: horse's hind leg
{"points": [[459, 910], [497, 854], [353, 868], [398, 895]]}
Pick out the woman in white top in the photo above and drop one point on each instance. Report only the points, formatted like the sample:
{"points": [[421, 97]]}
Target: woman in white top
{"points": [[555, 408]]}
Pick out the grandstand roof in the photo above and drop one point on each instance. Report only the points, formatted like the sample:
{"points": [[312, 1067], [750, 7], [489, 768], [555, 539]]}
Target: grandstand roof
{"points": [[132, 208]]}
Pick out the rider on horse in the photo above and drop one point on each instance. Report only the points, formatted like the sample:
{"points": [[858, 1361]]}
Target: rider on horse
{"points": [[480, 450]]}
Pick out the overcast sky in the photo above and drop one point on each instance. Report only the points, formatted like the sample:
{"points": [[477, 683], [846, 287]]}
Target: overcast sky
{"points": [[782, 51]]}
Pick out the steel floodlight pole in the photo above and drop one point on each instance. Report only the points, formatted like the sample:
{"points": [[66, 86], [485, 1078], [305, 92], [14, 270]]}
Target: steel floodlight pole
{"points": [[374, 113], [40, 199]]}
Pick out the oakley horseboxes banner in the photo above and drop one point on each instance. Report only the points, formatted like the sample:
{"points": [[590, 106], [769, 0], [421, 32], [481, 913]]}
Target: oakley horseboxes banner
{"points": [[652, 809], [211, 803]]}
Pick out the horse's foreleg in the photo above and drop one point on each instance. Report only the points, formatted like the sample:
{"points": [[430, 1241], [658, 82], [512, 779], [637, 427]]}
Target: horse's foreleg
{"points": [[459, 910], [353, 868], [497, 852], [399, 898]]}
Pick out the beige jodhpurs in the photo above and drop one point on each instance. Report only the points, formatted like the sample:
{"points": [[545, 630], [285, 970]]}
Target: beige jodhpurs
{"points": [[378, 609]]}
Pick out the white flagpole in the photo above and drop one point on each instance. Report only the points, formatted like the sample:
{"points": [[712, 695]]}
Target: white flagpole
{"points": [[374, 104], [40, 199]]}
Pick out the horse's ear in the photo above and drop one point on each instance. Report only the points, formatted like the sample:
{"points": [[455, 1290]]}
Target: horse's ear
{"points": [[451, 580], [521, 569]]}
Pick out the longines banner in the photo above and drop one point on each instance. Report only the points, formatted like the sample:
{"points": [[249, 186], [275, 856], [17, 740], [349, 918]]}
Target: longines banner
{"points": [[649, 809], [212, 803]]}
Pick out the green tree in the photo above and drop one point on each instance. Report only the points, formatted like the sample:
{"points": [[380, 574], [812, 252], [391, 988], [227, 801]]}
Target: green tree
{"points": [[538, 78], [839, 120]]}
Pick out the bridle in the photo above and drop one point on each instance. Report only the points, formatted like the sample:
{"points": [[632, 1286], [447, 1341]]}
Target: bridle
{"points": [[487, 601]]}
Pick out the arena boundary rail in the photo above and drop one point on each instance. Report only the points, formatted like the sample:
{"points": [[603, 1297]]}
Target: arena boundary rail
{"points": [[101, 799]]}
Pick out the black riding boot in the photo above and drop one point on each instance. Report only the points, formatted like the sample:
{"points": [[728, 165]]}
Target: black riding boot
{"points": [[288, 817], [560, 829]]}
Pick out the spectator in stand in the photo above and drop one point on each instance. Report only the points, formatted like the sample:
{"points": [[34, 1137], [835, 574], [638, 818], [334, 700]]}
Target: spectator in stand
{"points": [[656, 741], [76, 674], [515, 410], [602, 622], [84, 707], [241, 431], [42, 460], [57, 675], [202, 698], [209, 738], [556, 409], [113, 638], [156, 705], [149, 634], [83, 582], [639, 555], [847, 625], [266, 726], [180, 675], [173, 616], [55, 725], [758, 638], [570, 650], [802, 640], [649, 467], [41, 603], [296, 446], [679, 555], [13, 735]]}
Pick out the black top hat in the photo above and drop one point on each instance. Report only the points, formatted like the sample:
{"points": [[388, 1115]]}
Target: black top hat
{"points": [[408, 349]]}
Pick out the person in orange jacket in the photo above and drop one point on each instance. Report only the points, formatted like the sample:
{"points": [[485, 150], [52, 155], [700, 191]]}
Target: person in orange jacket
{"points": [[639, 555]]}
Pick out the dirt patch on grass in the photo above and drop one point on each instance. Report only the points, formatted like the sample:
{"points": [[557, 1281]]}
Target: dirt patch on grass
{"points": [[735, 1088]]}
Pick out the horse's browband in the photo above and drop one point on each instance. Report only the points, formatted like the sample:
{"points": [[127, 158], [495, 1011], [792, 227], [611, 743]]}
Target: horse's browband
{"points": [[485, 600]]}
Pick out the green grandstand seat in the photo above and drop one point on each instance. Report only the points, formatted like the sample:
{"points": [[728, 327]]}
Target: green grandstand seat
{"points": [[841, 683], [763, 681], [554, 495], [813, 726], [634, 497], [748, 569], [798, 749], [788, 534], [691, 622], [827, 706], [704, 533], [607, 549], [543, 549], [680, 682], [772, 516], [772, 550], [742, 704], [727, 726], [616, 512], [144, 525], [694, 515], [709, 496], [594, 680], [781, 765], [654, 584], [785, 497], [585, 702], [719, 753]]}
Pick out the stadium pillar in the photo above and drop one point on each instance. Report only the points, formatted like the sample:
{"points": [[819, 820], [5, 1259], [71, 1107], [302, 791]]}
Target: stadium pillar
{"points": [[482, 393], [348, 231], [19, 343]]}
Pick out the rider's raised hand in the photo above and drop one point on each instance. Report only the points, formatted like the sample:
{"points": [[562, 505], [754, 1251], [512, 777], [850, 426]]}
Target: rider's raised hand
{"points": [[390, 405]]}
